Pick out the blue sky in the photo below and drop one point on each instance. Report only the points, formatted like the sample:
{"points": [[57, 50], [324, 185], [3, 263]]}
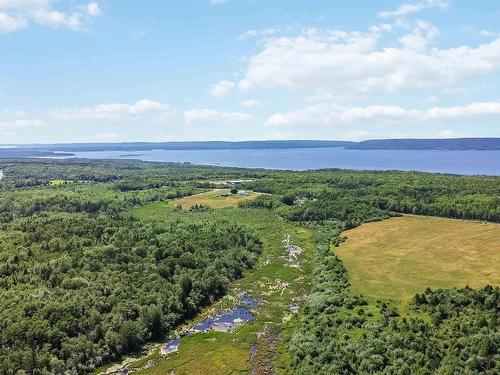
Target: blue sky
{"points": [[109, 71]]}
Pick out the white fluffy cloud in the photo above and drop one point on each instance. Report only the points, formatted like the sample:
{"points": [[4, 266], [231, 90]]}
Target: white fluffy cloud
{"points": [[93, 9], [213, 116], [221, 88], [337, 115], [409, 8], [250, 103], [267, 32], [115, 111], [20, 124], [12, 127], [347, 63], [16, 14], [9, 24]]}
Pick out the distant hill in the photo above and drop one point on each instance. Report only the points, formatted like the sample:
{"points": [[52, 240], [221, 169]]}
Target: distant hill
{"points": [[429, 144], [209, 145], [67, 149], [15, 152]]}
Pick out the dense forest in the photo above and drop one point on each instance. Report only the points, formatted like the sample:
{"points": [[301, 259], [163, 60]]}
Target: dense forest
{"points": [[355, 197], [78, 290], [311, 195], [82, 282]]}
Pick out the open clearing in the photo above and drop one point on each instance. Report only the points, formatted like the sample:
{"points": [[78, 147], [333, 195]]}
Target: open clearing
{"points": [[214, 199], [399, 257], [59, 182]]}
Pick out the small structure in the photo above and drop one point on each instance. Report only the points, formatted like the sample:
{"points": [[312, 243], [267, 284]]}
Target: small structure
{"points": [[242, 192], [294, 308], [234, 182]]}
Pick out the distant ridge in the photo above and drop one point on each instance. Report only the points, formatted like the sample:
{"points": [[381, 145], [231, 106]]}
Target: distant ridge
{"points": [[429, 144], [66, 149], [201, 145]]}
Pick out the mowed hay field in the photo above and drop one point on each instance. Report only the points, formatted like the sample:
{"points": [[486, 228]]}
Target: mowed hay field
{"points": [[214, 199], [399, 257]]}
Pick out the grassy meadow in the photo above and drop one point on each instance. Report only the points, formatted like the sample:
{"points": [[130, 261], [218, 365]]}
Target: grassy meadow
{"points": [[401, 256]]}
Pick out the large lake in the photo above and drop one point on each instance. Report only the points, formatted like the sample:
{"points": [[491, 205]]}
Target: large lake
{"points": [[440, 161]]}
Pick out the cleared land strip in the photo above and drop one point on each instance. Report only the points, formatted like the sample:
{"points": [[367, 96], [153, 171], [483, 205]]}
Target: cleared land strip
{"points": [[218, 198]]}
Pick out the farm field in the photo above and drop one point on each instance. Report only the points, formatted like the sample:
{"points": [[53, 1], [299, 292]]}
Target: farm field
{"points": [[401, 256], [214, 199]]}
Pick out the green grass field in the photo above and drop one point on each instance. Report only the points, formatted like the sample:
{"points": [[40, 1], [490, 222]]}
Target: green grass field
{"points": [[270, 281], [60, 182], [399, 257], [205, 353], [214, 199]]}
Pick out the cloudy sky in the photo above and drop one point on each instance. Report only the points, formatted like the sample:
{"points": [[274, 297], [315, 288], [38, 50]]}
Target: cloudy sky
{"points": [[152, 70]]}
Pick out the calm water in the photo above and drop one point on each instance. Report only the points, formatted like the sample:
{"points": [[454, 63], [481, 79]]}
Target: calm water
{"points": [[441, 161]]}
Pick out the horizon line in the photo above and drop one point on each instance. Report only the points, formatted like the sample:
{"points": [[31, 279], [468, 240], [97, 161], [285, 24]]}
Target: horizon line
{"points": [[252, 140]]}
